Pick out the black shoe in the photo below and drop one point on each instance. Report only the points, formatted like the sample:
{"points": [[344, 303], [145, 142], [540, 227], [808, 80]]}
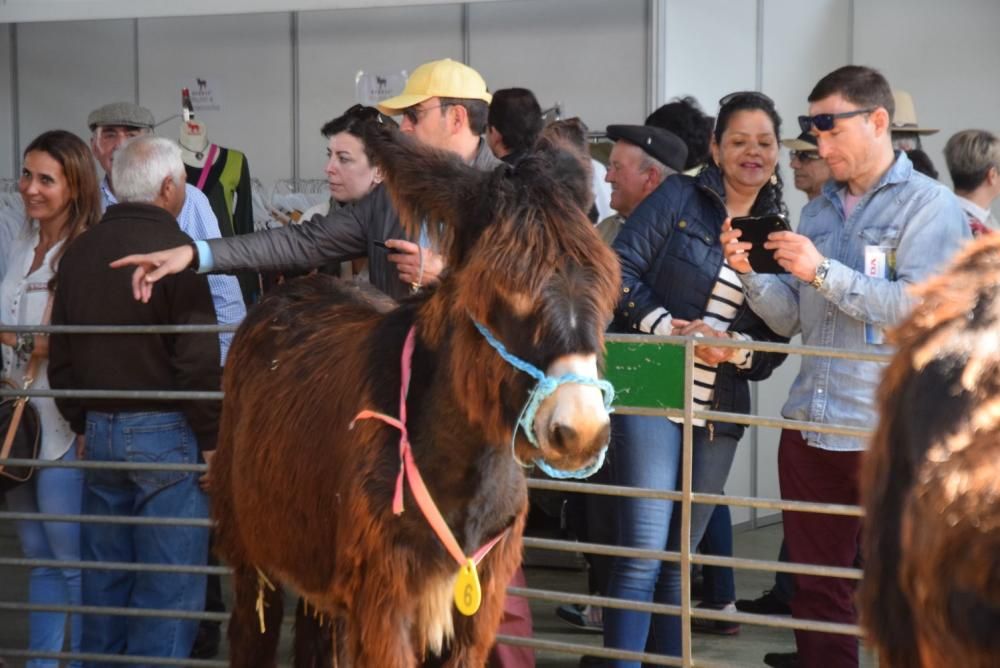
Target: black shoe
{"points": [[782, 659], [206, 643], [767, 604], [586, 617]]}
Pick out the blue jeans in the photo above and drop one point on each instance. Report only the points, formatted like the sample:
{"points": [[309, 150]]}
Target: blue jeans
{"points": [[160, 438], [57, 491], [647, 454]]}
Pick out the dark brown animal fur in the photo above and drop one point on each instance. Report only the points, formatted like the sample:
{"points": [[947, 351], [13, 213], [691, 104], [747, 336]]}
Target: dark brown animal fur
{"points": [[931, 591], [307, 501]]}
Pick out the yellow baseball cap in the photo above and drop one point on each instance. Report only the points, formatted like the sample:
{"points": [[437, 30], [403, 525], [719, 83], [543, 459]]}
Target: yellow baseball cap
{"points": [[438, 78]]}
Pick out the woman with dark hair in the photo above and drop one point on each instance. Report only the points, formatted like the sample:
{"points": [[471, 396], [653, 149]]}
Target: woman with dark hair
{"points": [[350, 173], [675, 282], [61, 198]]}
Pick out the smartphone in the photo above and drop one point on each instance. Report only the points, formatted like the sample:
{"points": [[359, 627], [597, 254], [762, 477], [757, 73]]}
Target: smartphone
{"points": [[754, 230], [380, 244]]}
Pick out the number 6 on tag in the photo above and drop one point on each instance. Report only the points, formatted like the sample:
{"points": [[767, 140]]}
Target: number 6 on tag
{"points": [[468, 592]]}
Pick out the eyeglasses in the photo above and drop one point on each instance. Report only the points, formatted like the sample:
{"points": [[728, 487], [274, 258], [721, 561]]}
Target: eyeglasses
{"points": [[750, 94], [824, 122], [803, 156], [414, 114]]}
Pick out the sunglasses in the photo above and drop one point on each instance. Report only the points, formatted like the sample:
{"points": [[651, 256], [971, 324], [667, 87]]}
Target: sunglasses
{"points": [[749, 94], [803, 156], [360, 112], [414, 114], [824, 122]]}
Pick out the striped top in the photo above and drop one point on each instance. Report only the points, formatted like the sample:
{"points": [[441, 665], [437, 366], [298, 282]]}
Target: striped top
{"points": [[723, 305]]}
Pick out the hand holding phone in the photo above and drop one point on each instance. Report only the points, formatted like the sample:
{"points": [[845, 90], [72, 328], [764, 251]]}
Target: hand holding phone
{"points": [[755, 230]]}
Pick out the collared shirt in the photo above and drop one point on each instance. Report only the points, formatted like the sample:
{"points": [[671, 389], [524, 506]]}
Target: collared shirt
{"points": [[976, 214], [198, 221], [907, 216]]}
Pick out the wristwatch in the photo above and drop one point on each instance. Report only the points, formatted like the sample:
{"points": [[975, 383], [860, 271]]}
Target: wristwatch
{"points": [[821, 271]]}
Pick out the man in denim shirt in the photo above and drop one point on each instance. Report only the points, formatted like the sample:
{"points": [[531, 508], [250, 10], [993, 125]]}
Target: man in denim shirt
{"points": [[878, 228]]}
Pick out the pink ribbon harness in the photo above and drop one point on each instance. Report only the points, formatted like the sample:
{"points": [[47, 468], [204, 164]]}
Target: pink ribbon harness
{"points": [[408, 469]]}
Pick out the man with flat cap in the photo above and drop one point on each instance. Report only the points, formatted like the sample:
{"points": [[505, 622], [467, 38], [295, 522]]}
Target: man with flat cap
{"points": [[642, 157]]}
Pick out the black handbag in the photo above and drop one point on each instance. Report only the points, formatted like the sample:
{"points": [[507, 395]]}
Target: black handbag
{"points": [[22, 430]]}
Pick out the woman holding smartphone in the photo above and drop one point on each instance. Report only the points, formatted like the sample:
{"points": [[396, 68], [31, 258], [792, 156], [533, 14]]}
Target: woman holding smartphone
{"points": [[675, 282]]}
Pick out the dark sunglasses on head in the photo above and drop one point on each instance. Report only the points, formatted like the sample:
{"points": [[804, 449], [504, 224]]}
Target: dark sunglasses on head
{"points": [[824, 122], [750, 94], [804, 156], [360, 112]]}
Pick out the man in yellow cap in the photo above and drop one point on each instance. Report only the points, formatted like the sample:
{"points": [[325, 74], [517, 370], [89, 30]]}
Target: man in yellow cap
{"points": [[444, 105]]}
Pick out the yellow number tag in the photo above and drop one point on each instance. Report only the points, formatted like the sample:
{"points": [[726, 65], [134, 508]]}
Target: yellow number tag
{"points": [[468, 592]]}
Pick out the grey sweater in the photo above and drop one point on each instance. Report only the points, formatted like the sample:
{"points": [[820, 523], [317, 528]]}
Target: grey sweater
{"points": [[342, 234]]}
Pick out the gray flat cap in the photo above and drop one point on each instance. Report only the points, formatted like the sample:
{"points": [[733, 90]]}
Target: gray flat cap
{"points": [[121, 113]]}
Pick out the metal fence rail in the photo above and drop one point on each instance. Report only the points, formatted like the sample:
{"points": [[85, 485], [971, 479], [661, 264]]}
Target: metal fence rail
{"points": [[684, 496]]}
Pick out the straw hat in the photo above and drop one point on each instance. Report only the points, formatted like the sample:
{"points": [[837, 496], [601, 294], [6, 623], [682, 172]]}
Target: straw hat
{"points": [[905, 118]]}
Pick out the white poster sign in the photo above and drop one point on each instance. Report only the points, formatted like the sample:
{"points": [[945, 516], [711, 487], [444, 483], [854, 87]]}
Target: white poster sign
{"points": [[204, 93], [370, 88]]}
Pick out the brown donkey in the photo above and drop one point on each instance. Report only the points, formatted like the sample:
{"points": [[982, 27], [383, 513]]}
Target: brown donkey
{"points": [[303, 499], [931, 591]]}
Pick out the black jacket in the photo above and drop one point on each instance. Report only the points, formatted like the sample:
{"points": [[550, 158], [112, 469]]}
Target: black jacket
{"points": [[671, 257], [89, 292]]}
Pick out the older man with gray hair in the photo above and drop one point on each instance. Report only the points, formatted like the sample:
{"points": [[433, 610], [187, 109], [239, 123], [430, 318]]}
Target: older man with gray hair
{"points": [[149, 182], [114, 124]]}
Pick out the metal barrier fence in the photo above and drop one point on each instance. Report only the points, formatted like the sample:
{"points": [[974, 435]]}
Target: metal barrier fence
{"points": [[685, 496]]}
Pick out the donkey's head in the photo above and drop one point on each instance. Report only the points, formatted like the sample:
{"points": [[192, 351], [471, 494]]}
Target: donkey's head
{"points": [[527, 267]]}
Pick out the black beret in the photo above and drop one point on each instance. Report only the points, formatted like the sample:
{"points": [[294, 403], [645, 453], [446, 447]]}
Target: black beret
{"points": [[661, 144]]}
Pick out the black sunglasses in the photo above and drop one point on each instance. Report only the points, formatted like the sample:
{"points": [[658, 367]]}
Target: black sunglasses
{"points": [[804, 156], [824, 122], [750, 94], [360, 112]]}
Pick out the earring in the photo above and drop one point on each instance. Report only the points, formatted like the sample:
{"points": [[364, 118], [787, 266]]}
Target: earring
{"points": [[774, 179]]}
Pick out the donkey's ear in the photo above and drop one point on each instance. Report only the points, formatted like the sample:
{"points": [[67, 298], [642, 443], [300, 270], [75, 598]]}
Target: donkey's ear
{"points": [[424, 183]]}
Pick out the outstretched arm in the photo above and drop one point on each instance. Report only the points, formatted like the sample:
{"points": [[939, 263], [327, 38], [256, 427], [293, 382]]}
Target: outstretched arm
{"points": [[424, 183]]}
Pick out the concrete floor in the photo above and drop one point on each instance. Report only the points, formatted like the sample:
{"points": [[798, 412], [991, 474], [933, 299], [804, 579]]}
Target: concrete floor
{"points": [[745, 649]]}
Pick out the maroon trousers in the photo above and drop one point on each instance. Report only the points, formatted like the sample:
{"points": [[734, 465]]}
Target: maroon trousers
{"points": [[824, 476], [516, 622]]}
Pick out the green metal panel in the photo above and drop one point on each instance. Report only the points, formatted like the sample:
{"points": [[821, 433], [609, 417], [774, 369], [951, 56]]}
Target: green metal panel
{"points": [[646, 375]]}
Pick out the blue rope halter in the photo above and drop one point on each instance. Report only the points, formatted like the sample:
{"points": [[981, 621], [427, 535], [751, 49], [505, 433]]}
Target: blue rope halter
{"points": [[545, 386]]}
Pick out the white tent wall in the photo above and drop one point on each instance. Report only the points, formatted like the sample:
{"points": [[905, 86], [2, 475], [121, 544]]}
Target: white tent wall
{"points": [[588, 55], [247, 62], [335, 45], [280, 76], [7, 161]]}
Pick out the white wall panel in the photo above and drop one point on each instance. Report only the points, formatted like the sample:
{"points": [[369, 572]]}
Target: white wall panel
{"points": [[246, 60], [801, 42], [7, 159], [588, 55], [711, 49], [944, 53], [335, 45], [66, 70]]}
